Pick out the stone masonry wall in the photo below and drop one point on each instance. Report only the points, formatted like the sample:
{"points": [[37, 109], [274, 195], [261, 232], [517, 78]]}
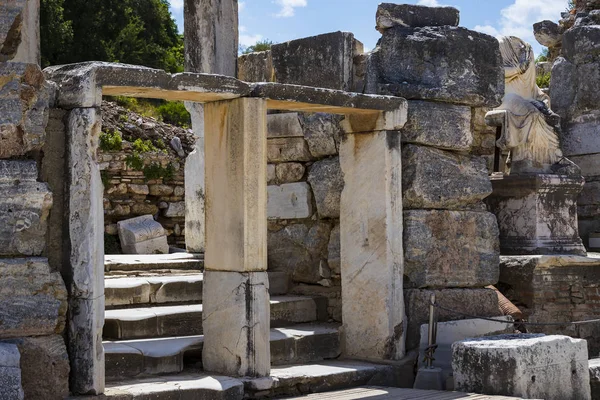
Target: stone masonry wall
{"points": [[129, 191], [33, 296]]}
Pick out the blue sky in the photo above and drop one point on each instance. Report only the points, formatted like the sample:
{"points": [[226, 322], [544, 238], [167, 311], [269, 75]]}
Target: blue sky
{"points": [[283, 20]]}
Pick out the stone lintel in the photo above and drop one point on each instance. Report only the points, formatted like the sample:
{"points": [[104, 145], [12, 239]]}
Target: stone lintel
{"points": [[371, 239], [236, 323], [236, 185]]}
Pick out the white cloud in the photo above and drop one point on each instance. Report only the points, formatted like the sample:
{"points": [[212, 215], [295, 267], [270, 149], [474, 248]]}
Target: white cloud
{"points": [[429, 3], [243, 29], [177, 4], [241, 6], [249, 40], [518, 18], [288, 7]]}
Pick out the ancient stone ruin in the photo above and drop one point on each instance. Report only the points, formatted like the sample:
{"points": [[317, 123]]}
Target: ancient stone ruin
{"points": [[292, 240]]}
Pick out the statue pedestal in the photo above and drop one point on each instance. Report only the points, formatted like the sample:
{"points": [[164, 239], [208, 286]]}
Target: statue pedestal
{"points": [[537, 214]]}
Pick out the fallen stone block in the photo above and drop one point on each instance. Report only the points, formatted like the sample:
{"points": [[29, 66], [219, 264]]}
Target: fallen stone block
{"points": [[327, 182], [142, 235], [422, 63], [476, 302], [548, 33], [24, 107], [445, 126], [324, 61], [450, 249], [528, 366], [24, 209], [33, 298], [289, 201], [438, 179], [414, 16], [10, 372]]}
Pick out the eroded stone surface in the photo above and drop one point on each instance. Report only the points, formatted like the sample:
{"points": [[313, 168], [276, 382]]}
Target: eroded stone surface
{"points": [[322, 133], [445, 126], [33, 299], [529, 366], [327, 182], [289, 172], [11, 23], [236, 323], [438, 179], [450, 249], [288, 149], [289, 201], [142, 235], [408, 15], [284, 125], [10, 372], [24, 209], [422, 63], [256, 67], [23, 109]]}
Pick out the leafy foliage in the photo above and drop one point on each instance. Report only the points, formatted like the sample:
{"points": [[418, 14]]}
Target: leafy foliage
{"points": [[543, 56], [543, 81], [144, 146], [261, 45], [140, 32], [157, 171], [134, 161], [175, 113], [111, 141]]}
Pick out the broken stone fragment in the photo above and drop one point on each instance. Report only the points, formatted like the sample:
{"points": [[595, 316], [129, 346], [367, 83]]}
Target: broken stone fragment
{"points": [[327, 182], [33, 299], [24, 208], [414, 16], [11, 24], [24, 99], [423, 63], [547, 33], [142, 235]]}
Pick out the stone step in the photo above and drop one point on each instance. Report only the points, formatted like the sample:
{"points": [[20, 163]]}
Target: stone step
{"points": [[302, 343], [387, 393], [285, 380], [140, 288], [186, 320], [135, 262]]}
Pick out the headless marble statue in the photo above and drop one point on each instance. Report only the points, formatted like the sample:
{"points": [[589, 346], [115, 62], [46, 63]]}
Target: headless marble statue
{"points": [[530, 128]]}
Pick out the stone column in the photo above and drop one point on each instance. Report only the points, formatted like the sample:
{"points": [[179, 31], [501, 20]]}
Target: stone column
{"points": [[236, 298], [86, 255], [211, 47], [371, 244], [29, 48]]}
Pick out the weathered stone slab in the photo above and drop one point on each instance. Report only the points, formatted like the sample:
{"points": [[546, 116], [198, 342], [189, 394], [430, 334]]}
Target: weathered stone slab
{"points": [[142, 235], [235, 320], [10, 372], [445, 126], [327, 182], [29, 50], [589, 164], [11, 22], [581, 44], [414, 16], [422, 63], [450, 249], [23, 109], [288, 149], [581, 137], [323, 134], [438, 179], [480, 302], [547, 33], [284, 125], [299, 249], [529, 366], [24, 208], [289, 172], [175, 209], [256, 67], [371, 239], [44, 367], [33, 299], [195, 189], [289, 201], [537, 214], [321, 61]]}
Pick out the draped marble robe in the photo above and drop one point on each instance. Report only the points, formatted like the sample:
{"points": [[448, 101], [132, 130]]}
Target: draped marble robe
{"points": [[528, 136]]}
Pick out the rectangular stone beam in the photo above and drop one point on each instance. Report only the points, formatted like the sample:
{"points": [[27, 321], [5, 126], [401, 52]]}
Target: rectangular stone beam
{"points": [[85, 273], [236, 300], [371, 247]]}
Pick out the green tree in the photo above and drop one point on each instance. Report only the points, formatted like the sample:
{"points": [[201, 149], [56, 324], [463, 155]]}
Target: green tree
{"points": [[261, 45], [140, 32]]}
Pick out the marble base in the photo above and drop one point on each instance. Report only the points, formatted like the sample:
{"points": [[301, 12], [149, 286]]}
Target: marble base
{"points": [[537, 214]]}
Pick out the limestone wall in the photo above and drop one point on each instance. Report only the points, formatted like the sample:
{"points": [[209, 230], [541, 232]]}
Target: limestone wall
{"points": [[33, 295]]}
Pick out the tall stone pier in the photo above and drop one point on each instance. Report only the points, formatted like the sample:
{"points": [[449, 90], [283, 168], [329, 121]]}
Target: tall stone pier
{"points": [[211, 47]]}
